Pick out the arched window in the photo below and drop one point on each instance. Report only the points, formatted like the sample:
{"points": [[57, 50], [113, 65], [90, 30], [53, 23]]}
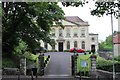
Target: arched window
{"points": [[60, 32], [75, 43], [75, 32], [83, 44], [68, 44]]}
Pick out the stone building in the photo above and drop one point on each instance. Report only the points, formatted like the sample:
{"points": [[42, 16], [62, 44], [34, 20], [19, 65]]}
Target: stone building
{"points": [[75, 34]]}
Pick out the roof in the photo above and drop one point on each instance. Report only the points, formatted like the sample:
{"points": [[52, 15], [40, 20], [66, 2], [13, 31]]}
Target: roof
{"points": [[116, 39], [74, 19]]}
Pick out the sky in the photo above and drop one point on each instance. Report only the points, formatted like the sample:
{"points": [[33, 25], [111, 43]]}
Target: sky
{"points": [[98, 25]]}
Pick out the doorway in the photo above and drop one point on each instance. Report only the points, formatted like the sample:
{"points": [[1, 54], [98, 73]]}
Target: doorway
{"points": [[93, 48], [60, 46]]}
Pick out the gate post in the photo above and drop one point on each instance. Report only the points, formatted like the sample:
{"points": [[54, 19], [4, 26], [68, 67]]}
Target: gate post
{"points": [[74, 64], [93, 71], [41, 64], [23, 65]]}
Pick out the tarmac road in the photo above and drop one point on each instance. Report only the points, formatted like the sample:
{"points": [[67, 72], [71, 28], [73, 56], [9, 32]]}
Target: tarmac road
{"points": [[59, 65]]}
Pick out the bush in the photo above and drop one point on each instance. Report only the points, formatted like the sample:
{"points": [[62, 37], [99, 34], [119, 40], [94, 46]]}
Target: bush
{"points": [[117, 58], [66, 50], [107, 65], [7, 63]]}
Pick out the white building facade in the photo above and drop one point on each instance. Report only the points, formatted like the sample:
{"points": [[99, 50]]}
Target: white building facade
{"points": [[75, 34]]}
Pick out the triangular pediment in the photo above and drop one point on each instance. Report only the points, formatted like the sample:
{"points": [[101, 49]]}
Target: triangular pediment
{"points": [[64, 22]]}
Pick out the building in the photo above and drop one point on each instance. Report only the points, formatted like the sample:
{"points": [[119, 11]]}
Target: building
{"points": [[75, 34], [117, 41], [117, 44]]}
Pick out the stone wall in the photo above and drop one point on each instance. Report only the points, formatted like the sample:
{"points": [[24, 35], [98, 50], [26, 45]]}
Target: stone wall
{"points": [[107, 75]]}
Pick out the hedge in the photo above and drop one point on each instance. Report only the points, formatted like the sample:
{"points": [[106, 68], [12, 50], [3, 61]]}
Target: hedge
{"points": [[117, 58], [107, 65]]}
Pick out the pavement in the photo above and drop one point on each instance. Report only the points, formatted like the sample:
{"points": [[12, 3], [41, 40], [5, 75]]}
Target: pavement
{"points": [[15, 77], [22, 77]]}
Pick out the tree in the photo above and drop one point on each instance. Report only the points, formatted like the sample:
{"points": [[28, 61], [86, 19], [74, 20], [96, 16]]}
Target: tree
{"points": [[101, 6], [29, 22], [107, 44]]}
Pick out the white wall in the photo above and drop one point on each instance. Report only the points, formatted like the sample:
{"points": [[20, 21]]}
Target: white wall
{"points": [[117, 50], [95, 42]]}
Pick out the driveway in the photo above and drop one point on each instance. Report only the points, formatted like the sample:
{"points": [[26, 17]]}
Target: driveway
{"points": [[59, 65]]}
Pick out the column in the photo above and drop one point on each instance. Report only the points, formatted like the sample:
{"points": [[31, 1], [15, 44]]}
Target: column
{"points": [[41, 65], [93, 71]]}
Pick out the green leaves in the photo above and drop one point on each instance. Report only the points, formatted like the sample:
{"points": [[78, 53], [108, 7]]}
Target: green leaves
{"points": [[107, 44], [107, 8], [29, 21], [107, 65], [101, 7], [18, 49]]}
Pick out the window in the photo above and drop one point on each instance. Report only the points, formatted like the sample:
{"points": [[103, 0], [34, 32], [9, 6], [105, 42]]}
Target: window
{"points": [[83, 44], [68, 44], [60, 32], [93, 39], [67, 32], [53, 32], [82, 33], [75, 32], [75, 43]]}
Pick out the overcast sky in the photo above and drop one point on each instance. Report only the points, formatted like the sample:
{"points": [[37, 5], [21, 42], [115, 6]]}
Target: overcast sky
{"points": [[98, 25]]}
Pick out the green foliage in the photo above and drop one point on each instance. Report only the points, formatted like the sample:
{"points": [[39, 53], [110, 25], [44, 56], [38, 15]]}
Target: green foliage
{"points": [[52, 43], [101, 7], [8, 63], [107, 44], [107, 65], [66, 50], [105, 7], [30, 56], [18, 49], [117, 58], [28, 21]]}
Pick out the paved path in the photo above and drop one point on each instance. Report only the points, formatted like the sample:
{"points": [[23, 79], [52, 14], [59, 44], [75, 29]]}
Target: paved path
{"points": [[15, 77], [60, 64]]}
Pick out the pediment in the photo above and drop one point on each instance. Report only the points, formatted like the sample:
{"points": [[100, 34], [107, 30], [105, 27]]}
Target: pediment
{"points": [[64, 22]]}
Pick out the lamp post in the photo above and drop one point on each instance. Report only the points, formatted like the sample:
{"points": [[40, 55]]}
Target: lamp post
{"points": [[112, 46]]}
